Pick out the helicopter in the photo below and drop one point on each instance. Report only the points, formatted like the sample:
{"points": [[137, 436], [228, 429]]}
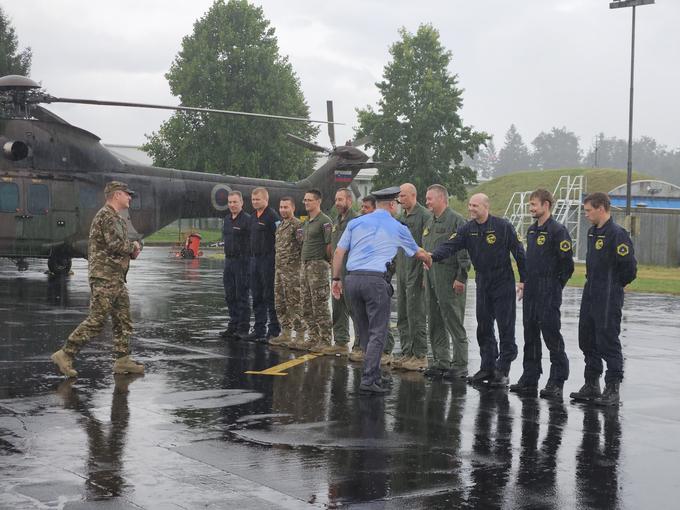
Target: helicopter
{"points": [[53, 174]]}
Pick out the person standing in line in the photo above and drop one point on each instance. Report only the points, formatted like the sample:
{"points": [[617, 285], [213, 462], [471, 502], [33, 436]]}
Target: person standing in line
{"points": [[316, 238], [445, 286], [287, 277], [109, 253], [610, 266], [490, 240], [550, 264], [341, 311], [371, 242], [411, 317], [262, 258], [235, 278]]}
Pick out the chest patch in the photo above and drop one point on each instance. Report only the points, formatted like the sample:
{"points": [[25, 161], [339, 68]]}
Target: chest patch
{"points": [[540, 240], [426, 231], [599, 244], [491, 238]]}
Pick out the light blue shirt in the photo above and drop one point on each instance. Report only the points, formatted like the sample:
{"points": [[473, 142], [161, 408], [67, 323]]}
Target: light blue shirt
{"points": [[373, 240]]}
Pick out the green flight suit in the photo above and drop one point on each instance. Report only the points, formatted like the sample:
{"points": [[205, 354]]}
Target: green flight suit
{"points": [[411, 318], [446, 309], [341, 310]]}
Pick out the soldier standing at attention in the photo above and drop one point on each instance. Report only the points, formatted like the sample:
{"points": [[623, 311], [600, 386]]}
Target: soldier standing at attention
{"points": [[341, 311], [445, 289], [236, 236], [610, 266], [287, 275], [109, 254], [262, 252], [411, 320], [316, 238], [372, 241], [490, 241], [550, 264]]}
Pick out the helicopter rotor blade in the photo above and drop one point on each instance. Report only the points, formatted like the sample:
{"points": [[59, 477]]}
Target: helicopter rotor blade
{"points": [[51, 99], [308, 145], [331, 126], [362, 141]]}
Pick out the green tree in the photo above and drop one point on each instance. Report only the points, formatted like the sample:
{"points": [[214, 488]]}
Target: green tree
{"points": [[12, 61], [417, 125], [231, 61], [557, 149], [514, 155]]}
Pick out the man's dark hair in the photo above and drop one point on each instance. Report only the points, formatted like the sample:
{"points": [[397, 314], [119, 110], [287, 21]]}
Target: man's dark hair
{"points": [[543, 195], [597, 200], [317, 193], [370, 199], [288, 198]]}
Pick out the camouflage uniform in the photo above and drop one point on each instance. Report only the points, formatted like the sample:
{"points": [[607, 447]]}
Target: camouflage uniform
{"points": [[287, 276], [315, 279], [109, 253]]}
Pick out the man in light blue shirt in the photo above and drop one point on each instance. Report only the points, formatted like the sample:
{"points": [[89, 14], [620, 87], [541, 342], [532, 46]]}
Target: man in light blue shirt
{"points": [[372, 241]]}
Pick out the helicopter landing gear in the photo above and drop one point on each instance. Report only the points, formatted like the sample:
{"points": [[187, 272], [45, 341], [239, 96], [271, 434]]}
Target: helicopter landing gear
{"points": [[59, 265], [22, 264]]}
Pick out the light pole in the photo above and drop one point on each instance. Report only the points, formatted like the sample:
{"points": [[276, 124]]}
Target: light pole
{"points": [[617, 4]]}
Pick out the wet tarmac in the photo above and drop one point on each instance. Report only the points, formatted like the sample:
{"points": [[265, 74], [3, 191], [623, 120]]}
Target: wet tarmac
{"points": [[197, 432]]}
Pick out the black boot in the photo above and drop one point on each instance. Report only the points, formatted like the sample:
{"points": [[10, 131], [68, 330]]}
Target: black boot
{"points": [[500, 379], [588, 392], [524, 388], [552, 391], [481, 377], [435, 373], [610, 395]]}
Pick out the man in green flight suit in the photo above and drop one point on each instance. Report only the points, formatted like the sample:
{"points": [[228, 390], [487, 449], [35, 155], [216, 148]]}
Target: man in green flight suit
{"points": [[445, 290], [341, 311], [411, 318]]}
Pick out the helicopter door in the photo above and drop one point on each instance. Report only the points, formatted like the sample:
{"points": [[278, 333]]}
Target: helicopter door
{"points": [[10, 196], [33, 229], [64, 212]]}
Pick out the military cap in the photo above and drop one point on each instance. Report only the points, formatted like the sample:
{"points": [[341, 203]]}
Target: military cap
{"points": [[117, 186], [386, 194]]}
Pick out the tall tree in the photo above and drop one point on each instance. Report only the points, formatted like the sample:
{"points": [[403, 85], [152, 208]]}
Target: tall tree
{"points": [[12, 61], [514, 155], [484, 163], [231, 61], [417, 124], [557, 149]]}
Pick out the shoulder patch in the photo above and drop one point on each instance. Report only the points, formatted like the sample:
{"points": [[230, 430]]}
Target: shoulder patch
{"points": [[452, 236], [327, 227], [426, 231], [335, 228], [622, 249], [565, 246]]}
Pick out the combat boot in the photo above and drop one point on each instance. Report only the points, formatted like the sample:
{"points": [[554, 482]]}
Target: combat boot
{"points": [[524, 388], [283, 339], [335, 350], [126, 365], [65, 363], [610, 395], [481, 376], [415, 364], [588, 392], [398, 361], [435, 372], [552, 391], [500, 379], [357, 355], [386, 359], [317, 348]]}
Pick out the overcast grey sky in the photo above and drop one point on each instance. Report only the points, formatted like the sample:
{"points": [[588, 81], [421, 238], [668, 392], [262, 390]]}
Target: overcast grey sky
{"points": [[535, 63]]}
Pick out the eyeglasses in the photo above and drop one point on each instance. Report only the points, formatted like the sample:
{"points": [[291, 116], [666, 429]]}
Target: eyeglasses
{"points": [[310, 199]]}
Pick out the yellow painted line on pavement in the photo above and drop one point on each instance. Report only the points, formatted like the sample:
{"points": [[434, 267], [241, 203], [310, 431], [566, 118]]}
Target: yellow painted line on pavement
{"points": [[279, 369]]}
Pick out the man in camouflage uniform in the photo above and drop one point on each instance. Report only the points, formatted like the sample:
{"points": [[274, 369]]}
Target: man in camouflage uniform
{"points": [[287, 276], [109, 254], [341, 310], [411, 318], [445, 289], [314, 275]]}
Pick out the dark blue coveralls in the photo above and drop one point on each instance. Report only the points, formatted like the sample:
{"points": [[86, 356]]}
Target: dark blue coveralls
{"points": [[263, 254], [550, 264], [610, 266], [489, 245], [236, 236]]}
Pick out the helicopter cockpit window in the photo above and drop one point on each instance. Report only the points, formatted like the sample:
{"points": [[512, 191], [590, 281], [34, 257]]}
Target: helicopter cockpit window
{"points": [[9, 197], [38, 199]]}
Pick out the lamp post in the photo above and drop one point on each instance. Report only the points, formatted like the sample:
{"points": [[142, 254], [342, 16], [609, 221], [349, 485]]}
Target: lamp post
{"points": [[617, 4]]}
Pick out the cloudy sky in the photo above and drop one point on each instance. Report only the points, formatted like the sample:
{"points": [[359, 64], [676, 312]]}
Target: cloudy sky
{"points": [[535, 63]]}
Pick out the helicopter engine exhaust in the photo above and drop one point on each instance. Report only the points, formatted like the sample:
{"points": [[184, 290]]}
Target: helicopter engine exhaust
{"points": [[14, 150]]}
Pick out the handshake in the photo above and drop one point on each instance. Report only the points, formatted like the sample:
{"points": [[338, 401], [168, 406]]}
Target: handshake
{"points": [[425, 257]]}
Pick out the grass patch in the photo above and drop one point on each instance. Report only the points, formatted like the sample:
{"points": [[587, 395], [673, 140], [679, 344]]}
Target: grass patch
{"points": [[500, 190], [171, 235]]}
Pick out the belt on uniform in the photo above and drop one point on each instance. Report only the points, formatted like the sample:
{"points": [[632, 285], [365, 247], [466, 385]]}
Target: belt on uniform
{"points": [[367, 273]]}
